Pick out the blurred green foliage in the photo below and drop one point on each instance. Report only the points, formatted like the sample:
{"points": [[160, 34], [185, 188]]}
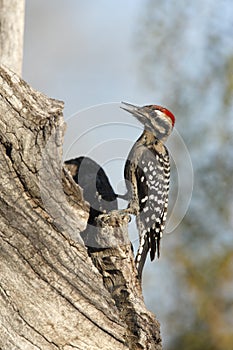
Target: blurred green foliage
{"points": [[186, 57]]}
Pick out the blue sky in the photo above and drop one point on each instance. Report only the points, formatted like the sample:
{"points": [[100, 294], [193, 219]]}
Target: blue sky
{"points": [[83, 52]]}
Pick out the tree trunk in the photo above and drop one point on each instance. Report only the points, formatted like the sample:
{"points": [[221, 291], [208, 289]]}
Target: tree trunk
{"points": [[11, 34], [53, 295]]}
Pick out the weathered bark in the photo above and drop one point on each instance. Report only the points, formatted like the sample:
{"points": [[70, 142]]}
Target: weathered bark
{"points": [[11, 34], [52, 294]]}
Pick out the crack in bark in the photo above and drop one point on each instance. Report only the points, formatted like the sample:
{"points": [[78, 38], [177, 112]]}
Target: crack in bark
{"points": [[36, 331]]}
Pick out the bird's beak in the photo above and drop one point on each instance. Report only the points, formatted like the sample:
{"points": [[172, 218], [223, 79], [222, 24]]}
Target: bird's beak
{"points": [[135, 110], [130, 108]]}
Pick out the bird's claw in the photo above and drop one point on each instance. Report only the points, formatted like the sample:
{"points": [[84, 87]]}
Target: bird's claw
{"points": [[120, 216]]}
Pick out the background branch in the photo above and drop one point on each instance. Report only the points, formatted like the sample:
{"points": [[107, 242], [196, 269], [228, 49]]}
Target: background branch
{"points": [[11, 34]]}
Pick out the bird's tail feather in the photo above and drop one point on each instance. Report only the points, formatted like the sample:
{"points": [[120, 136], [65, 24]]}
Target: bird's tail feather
{"points": [[141, 257], [154, 245]]}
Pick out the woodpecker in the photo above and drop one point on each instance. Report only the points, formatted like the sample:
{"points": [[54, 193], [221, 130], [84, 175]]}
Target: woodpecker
{"points": [[147, 177]]}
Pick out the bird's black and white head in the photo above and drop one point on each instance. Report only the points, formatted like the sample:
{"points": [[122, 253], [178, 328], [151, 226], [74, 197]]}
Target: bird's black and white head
{"points": [[156, 119]]}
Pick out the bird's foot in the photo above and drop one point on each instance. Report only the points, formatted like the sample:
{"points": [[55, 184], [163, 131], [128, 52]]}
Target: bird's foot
{"points": [[114, 216]]}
